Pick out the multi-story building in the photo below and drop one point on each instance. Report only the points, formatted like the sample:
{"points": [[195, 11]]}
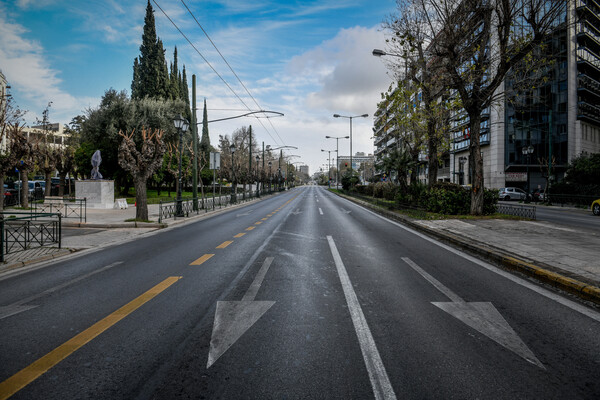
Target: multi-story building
{"points": [[551, 119], [53, 134], [304, 169]]}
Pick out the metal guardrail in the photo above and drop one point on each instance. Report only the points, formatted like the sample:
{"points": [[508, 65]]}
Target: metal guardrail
{"points": [[23, 230], [68, 207], [517, 210]]}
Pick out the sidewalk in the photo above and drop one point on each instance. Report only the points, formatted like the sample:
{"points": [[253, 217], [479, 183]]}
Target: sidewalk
{"points": [[564, 257]]}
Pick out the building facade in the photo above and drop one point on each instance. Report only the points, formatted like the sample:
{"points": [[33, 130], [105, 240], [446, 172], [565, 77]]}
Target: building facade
{"points": [[535, 129]]}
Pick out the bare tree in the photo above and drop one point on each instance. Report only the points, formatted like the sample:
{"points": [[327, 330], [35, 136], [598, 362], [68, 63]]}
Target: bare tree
{"points": [[10, 126], [141, 163], [477, 42], [65, 157], [419, 76]]}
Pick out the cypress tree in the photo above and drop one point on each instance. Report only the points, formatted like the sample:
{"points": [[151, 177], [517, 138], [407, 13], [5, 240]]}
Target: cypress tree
{"points": [[174, 90], [151, 76], [135, 83], [205, 140]]}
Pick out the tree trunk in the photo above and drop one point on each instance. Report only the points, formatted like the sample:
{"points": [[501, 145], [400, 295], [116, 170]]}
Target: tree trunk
{"points": [[141, 210], [24, 189], [477, 159], [432, 163], [61, 184], [3, 191], [48, 184]]}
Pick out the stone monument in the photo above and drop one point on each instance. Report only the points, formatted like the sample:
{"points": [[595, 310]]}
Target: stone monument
{"points": [[98, 192]]}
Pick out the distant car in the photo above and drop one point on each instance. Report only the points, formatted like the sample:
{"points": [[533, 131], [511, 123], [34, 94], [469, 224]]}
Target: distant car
{"points": [[511, 193], [596, 207]]}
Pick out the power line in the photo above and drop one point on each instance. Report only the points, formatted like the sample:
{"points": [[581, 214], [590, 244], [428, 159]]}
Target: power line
{"points": [[214, 70], [230, 68]]}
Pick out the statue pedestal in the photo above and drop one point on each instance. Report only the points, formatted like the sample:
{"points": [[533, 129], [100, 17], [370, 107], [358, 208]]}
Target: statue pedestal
{"points": [[99, 193]]}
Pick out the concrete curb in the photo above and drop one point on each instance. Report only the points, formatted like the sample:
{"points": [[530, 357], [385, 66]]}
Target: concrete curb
{"points": [[48, 257], [544, 273]]}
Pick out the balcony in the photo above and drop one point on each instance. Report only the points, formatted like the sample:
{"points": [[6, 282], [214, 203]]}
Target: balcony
{"points": [[588, 61], [588, 112]]}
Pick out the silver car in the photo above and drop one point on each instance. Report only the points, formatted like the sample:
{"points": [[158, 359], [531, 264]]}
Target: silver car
{"points": [[511, 193]]}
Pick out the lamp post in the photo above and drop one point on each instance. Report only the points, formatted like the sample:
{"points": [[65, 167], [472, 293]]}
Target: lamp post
{"points": [[337, 156], [329, 166], [257, 177], [270, 177], [350, 118], [527, 151], [182, 125], [233, 188]]}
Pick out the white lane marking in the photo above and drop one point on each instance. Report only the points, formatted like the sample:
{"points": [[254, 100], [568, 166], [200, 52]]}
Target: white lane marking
{"points": [[481, 316], [260, 276], [234, 318], [320, 211], [18, 307], [380, 382], [537, 289]]}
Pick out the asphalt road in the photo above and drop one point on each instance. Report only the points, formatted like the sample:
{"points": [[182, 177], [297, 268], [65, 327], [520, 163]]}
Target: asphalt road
{"points": [[303, 295], [568, 217]]}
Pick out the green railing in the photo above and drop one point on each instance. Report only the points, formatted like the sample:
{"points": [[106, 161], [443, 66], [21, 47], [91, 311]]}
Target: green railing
{"points": [[25, 230], [68, 207]]}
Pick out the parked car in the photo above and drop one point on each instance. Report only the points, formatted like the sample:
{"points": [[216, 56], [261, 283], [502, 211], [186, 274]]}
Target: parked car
{"points": [[596, 207], [11, 197], [36, 191], [511, 193], [539, 195]]}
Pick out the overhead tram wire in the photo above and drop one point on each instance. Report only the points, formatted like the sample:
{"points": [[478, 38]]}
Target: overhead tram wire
{"points": [[211, 67], [230, 68]]}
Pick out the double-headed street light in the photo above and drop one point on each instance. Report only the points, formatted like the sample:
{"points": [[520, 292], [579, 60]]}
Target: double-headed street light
{"points": [[329, 166], [350, 118], [233, 191], [182, 125], [337, 156], [257, 177]]}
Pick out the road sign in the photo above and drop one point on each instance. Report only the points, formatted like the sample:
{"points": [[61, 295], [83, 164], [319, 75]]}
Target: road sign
{"points": [[215, 160]]}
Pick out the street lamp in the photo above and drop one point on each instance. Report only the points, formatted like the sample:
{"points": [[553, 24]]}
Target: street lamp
{"points": [[233, 191], [337, 156], [350, 118], [329, 166], [182, 125], [257, 177], [270, 177], [527, 151]]}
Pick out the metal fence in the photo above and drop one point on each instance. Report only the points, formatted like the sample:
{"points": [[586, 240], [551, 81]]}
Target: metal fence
{"points": [[67, 206], [517, 210], [23, 230]]}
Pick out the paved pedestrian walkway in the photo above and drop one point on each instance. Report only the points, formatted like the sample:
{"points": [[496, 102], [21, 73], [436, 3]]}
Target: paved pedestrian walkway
{"points": [[563, 256]]}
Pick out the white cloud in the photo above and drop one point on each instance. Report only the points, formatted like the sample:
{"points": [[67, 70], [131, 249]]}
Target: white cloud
{"points": [[34, 83], [350, 79]]}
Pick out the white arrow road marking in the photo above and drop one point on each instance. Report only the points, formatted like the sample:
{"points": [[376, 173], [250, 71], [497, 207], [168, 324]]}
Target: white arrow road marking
{"points": [[234, 318], [18, 307], [481, 316], [244, 214], [296, 212], [380, 382], [320, 211], [346, 211]]}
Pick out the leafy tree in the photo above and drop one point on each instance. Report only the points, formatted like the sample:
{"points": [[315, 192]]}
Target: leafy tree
{"points": [[118, 113]]}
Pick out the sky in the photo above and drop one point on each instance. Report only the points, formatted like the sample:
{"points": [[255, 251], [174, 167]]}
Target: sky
{"points": [[305, 59]]}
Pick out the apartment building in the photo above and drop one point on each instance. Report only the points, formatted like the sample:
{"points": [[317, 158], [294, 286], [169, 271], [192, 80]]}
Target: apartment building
{"points": [[553, 120]]}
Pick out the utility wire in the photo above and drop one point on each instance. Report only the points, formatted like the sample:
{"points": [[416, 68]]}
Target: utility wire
{"points": [[231, 69]]}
